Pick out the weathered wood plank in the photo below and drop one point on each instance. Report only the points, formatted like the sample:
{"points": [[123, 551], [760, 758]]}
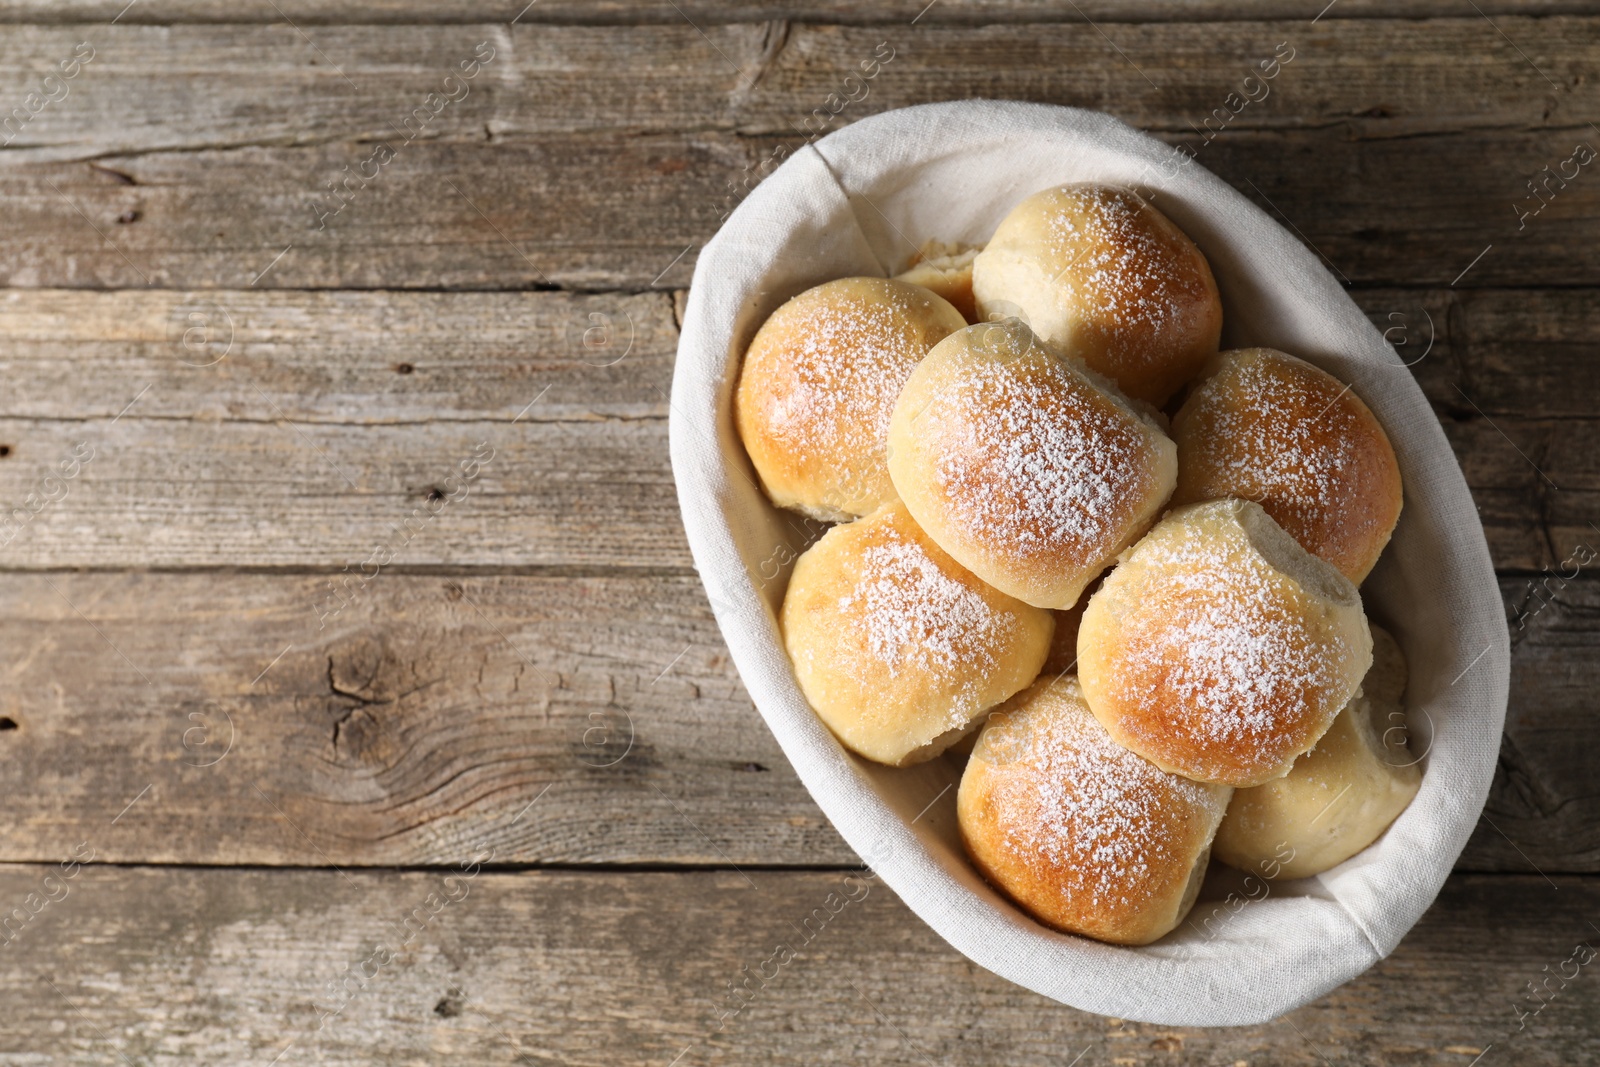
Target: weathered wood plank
{"points": [[1511, 351], [597, 211], [402, 717], [274, 724], [324, 420], [712, 12], [357, 83], [173, 966], [1544, 786], [263, 492], [1536, 482], [244, 462], [579, 211], [1513, 378], [355, 358]]}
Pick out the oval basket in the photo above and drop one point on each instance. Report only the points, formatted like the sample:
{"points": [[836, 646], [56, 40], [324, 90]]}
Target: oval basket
{"points": [[859, 202]]}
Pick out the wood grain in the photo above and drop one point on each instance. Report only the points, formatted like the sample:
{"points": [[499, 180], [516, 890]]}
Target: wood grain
{"points": [[324, 420], [1374, 79], [608, 211], [388, 720], [602, 158], [335, 357], [1511, 376], [263, 492], [1512, 351], [203, 677], [305, 439], [1555, 626], [172, 966], [278, 719], [711, 12]]}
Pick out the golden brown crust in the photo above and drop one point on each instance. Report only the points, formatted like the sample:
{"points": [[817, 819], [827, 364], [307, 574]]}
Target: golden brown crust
{"points": [[1083, 834], [897, 647], [1219, 648], [1268, 427], [819, 382], [1106, 277], [1340, 796], [1027, 468]]}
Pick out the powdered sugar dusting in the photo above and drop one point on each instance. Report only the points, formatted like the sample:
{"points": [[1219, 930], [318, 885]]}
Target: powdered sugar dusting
{"points": [[1113, 827], [846, 364], [1038, 463], [1217, 655], [1288, 438], [911, 613], [1133, 284]]}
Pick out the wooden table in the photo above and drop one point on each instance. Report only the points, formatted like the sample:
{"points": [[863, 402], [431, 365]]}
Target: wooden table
{"points": [[361, 703]]}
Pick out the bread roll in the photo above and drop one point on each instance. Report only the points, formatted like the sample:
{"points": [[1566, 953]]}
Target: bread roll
{"points": [[819, 382], [1027, 468], [1103, 275], [1082, 833], [898, 647], [947, 270], [1219, 648], [1268, 427], [1340, 796]]}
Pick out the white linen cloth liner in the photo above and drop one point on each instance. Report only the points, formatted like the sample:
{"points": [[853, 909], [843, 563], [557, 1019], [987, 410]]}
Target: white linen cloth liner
{"points": [[858, 202]]}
